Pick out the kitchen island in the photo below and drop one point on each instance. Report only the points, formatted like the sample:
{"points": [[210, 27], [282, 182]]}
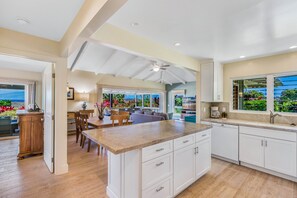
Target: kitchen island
{"points": [[157, 159]]}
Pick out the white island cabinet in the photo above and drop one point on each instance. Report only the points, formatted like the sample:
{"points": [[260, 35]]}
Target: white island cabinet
{"points": [[159, 171]]}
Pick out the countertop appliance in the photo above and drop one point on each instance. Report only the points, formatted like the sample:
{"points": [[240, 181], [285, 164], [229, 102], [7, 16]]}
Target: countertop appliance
{"points": [[215, 113]]}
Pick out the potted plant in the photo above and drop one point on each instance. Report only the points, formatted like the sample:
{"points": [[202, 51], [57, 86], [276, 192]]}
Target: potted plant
{"points": [[100, 107]]}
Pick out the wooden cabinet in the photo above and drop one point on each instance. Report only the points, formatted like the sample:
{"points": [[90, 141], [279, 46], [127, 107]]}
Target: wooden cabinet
{"points": [[31, 134], [270, 149], [212, 82]]}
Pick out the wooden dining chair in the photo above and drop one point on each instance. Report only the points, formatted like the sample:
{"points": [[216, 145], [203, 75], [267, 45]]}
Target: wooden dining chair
{"points": [[89, 112], [84, 126], [122, 119], [77, 125], [114, 112]]}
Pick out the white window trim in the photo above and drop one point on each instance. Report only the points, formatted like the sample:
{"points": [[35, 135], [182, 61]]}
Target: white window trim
{"points": [[269, 97]]}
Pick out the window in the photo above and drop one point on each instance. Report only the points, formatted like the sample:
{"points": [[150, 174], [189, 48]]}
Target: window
{"points": [[139, 100], [12, 98], [156, 100], [146, 100], [250, 94], [285, 94], [123, 101], [106, 99]]}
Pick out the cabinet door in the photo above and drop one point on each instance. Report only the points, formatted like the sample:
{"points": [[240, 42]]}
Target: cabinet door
{"points": [[224, 141], [280, 156], [207, 82], [25, 134], [251, 150], [203, 157], [37, 134], [184, 168]]}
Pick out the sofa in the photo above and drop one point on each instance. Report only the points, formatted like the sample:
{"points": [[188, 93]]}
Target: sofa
{"points": [[143, 117]]}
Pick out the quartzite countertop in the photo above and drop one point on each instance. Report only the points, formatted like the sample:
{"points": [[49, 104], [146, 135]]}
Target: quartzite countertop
{"points": [[127, 138], [284, 127]]}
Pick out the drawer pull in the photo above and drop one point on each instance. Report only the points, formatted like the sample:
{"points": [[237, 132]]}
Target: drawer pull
{"points": [[159, 189], [161, 149], [204, 135], [186, 141], [159, 164]]}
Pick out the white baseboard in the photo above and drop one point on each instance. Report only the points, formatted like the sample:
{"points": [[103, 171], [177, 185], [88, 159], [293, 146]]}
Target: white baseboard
{"points": [[110, 193], [62, 169], [225, 159], [291, 178]]}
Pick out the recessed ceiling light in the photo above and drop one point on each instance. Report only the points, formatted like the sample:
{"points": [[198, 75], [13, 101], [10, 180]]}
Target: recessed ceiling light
{"points": [[176, 44], [134, 24], [23, 21], [293, 47], [241, 56]]}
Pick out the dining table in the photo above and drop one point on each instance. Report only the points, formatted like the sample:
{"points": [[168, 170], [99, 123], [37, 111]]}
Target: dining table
{"points": [[105, 123]]}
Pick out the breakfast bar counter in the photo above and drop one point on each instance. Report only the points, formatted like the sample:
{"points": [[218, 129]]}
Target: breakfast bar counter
{"points": [[156, 159]]}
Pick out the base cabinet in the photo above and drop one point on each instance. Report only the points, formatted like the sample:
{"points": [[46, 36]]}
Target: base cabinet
{"points": [[184, 168], [276, 151], [203, 157]]}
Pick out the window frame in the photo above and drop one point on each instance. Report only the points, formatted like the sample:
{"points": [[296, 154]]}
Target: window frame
{"points": [[270, 93]]}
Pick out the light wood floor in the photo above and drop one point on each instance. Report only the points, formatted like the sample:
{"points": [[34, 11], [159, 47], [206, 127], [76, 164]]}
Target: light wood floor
{"points": [[87, 177]]}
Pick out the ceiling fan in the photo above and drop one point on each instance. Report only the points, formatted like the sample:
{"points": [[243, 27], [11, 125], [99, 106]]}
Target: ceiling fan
{"points": [[156, 67]]}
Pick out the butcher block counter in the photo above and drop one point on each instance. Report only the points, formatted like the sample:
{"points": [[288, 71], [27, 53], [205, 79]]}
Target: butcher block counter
{"points": [[126, 138], [156, 159]]}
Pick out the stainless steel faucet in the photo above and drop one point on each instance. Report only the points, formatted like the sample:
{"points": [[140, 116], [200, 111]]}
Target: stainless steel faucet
{"points": [[272, 116]]}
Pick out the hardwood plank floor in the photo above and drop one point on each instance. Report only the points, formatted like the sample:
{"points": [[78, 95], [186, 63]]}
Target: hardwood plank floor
{"points": [[87, 177]]}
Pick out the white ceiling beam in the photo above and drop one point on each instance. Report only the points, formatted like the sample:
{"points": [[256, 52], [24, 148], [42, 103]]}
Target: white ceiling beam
{"points": [[192, 73], [175, 76], [79, 54], [149, 75], [168, 82], [112, 55], [139, 71], [126, 64]]}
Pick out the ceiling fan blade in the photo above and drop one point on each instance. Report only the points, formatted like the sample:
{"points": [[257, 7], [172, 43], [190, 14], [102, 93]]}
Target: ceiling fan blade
{"points": [[165, 66]]}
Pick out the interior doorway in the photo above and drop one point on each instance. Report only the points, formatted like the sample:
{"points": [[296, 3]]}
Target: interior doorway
{"points": [[26, 85]]}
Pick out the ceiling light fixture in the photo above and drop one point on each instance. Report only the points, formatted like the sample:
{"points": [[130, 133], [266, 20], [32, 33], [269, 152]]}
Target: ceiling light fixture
{"points": [[176, 44], [242, 57], [293, 47], [156, 69], [23, 21], [134, 24]]}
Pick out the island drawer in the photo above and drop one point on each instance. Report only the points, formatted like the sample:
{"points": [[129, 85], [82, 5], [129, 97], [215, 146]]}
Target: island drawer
{"points": [[155, 170], [203, 135], [163, 189], [156, 150], [184, 141]]}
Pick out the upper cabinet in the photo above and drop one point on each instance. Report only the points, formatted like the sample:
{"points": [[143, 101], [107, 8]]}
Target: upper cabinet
{"points": [[212, 82]]}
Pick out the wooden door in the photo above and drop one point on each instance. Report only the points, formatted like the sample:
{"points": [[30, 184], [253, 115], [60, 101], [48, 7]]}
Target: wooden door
{"points": [[37, 134], [203, 157], [184, 168], [25, 134], [280, 156], [251, 150]]}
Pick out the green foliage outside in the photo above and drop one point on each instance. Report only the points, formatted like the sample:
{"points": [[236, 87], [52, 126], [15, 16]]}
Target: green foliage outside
{"points": [[287, 102], [178, 101], [146, 100], [5, 103], [254, 101], [12, 114], [139, 100]]}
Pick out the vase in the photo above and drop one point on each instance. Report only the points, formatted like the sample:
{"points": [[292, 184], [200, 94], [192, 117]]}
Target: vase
{"points": [[101, 117]]}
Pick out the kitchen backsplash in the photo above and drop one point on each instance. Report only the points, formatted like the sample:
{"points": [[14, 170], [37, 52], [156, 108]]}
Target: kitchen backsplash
{"points": [[284, 119]]}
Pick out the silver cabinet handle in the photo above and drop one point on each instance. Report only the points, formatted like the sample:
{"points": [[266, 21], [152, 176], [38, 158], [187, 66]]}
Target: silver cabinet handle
{"points": [[261, 142], [265, 143], [159, 189], [161, 149], [204, 135], [186, 141], [159, 164], [197, 150]]}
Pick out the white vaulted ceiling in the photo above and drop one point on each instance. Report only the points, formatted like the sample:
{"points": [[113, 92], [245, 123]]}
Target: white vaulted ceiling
{"points": [[47, 18], [216, 29], [105, 60]]}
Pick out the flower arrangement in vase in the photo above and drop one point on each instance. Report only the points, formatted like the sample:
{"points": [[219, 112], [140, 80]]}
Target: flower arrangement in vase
{"points": [[100, 107]]}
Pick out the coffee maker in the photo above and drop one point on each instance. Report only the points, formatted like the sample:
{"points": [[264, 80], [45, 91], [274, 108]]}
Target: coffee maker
{"points": [[215, 113]]}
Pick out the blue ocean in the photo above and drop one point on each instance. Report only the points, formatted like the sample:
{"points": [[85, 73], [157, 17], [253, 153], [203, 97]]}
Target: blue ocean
{"points": [[14, 95]]}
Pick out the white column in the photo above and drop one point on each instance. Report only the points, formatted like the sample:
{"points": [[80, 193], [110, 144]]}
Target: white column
{"points": [[60, 155]]}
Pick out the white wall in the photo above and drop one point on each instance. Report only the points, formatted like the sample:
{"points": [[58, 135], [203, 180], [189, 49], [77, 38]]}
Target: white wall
{"points": [[25, 75]]}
